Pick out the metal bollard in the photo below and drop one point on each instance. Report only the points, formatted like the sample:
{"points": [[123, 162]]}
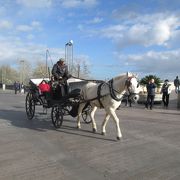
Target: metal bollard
{"points": [[178, 99], [4, 87]]}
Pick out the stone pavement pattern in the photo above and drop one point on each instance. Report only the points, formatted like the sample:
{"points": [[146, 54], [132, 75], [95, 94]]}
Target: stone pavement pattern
{"points": [[149, 150]]}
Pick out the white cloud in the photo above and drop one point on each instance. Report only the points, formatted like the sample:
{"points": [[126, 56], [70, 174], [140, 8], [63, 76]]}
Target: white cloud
{"points": [[13, 49], [78, 3], [2, 10], [24, 28], [147, 31], [4, 24], [35, 3], [96, 20], [144, 30], [80, 27], [35, 25], [30, 36], [165, 64]]}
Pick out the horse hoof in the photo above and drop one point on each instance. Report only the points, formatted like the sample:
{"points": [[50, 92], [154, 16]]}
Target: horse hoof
{"points": [[94, 130], [118, 138], [103, 133], [78, 127]]}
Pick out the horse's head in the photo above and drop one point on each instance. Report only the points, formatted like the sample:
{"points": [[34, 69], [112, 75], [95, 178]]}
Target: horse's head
{"points": [[132, 85]]}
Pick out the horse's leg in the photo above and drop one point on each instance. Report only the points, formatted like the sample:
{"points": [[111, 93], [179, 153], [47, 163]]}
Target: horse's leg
{"points": [[81, 106], [105, 123], [116, 120], [92, 118]]}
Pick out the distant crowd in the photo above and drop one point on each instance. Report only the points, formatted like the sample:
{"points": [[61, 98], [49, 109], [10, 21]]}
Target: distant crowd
{"points": [[166, 90], [19, 87]]}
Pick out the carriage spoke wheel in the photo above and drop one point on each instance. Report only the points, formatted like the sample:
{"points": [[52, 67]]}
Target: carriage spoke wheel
{"points": [[57, 116], [30, 106], [86, 114]]}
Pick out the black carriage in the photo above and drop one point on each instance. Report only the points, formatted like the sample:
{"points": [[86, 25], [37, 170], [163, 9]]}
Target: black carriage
{"points": [[61, 104]]}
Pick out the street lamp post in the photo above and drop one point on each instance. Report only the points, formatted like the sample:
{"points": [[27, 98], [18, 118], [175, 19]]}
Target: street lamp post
{"points": [[69, 55], [48, 57], [3, 79], [2, 75], [78, 70], [47, 51]]}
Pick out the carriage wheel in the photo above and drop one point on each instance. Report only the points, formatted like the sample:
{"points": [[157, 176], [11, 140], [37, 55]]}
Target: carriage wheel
{"points": [[30, 106], [86, 114], [57, 116]]}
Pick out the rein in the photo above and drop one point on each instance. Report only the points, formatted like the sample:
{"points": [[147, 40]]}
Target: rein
{"points": [[89, 80]]}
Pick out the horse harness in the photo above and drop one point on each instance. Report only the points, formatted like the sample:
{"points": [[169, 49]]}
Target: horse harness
{"points": [[112, 91]]}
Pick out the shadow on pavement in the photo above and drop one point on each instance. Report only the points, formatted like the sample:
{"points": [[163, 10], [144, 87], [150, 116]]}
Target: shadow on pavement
{"points": [[18, 118], [78, 132], [42, 124]]}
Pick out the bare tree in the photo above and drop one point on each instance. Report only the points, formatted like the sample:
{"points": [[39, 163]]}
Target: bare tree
{"points": [[8, 74], [85, 73], [25, 71], [81, 69], [40, 70]]}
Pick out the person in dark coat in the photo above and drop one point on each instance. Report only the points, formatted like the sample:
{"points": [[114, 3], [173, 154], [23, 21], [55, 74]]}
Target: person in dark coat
{"points": [[151, 86], [60, 70], [16, 87], [176, 84], [60, 73]]}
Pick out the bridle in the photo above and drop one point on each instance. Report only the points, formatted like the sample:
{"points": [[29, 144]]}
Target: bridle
{"points": [[113, 91], [128, 84]]}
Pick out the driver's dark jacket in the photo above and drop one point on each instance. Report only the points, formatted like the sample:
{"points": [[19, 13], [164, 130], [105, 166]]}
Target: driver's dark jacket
{"points": [[59, 71], [151, 89]]}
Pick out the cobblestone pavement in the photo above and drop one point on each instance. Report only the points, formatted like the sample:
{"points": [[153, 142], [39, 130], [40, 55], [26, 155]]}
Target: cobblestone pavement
{"points": [[149, 150]]}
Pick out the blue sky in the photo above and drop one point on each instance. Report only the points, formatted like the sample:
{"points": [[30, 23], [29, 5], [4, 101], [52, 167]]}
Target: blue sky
{"points": [[111, 36]]}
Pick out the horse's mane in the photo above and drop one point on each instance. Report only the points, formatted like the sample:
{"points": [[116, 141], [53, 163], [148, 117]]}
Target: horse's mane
{"points": [[128, 74], [119, 76]]}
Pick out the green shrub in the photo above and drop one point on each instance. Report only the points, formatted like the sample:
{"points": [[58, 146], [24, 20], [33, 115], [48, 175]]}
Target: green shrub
{"points": [[146, 79]]}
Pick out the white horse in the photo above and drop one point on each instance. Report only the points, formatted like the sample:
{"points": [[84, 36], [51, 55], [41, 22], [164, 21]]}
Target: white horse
{"points": [[107, 95]]}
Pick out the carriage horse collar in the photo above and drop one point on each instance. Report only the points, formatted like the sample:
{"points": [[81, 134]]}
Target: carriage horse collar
{"points": [[112, 92]]}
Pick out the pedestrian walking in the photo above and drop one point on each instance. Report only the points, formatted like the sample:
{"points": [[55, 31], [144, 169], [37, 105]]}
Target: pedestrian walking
{"points": [[166, 91], [127, 98], [18, 86], [176, 84], [22, 89], [151, 86], [15, 87]]}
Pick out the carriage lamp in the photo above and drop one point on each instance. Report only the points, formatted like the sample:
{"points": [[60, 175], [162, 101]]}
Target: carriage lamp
{"points": [[69, 55], [70, 43]]}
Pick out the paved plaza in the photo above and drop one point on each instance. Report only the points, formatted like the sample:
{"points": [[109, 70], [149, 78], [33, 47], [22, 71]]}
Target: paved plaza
{"points": [[149, 150]]}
